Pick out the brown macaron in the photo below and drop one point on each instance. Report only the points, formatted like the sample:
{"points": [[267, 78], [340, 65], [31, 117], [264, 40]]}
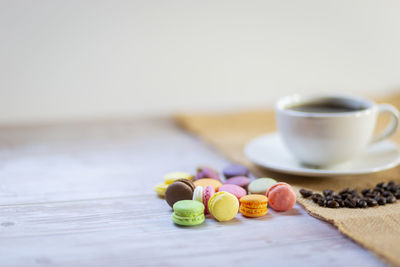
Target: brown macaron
{"points": [[181, 189]]}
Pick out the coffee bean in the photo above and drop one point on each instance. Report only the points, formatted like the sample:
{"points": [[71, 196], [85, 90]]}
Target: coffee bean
{"points": [[362, 204], [348, 203], [370, 195], [354, 192], [348, 196], [305, 193], [345, 191], [391, 199], [327, 192], [387, 194], [397, 194], [381, 200], [321, 202], [379, 190], [315, 197], [392, 188], [329, 197], [371, 202], [366, 191], [381, 185], [332, 204], [391, 183], [337, 197]]}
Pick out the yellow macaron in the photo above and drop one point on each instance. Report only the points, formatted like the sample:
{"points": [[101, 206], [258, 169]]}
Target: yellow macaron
{"points": [[223, 206], [171, 177], [160, 189]]}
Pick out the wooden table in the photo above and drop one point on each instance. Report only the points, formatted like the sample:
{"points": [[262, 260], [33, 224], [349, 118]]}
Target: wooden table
{"points": [[81, 194]]}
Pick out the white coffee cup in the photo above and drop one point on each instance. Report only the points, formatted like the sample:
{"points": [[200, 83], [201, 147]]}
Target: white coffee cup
{"points": [[327, 138]]}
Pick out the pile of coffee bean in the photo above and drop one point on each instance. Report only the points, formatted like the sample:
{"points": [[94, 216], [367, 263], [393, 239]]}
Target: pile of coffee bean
{"points": [[383, 193]]}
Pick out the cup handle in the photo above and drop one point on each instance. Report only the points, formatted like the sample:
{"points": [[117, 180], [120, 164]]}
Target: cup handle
{"points": [[394, 122]]}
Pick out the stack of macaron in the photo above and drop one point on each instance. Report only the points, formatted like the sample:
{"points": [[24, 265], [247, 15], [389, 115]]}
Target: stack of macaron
{"points": [[206, 192]]}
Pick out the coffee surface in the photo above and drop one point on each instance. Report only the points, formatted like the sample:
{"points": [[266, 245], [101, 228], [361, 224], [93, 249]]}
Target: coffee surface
{"points": [[326, 107]]}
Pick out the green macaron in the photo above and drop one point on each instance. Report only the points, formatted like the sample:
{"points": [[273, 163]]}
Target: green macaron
{"points": [[188, 212]]}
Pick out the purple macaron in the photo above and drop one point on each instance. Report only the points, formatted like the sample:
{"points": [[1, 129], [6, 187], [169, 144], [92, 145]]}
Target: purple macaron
{"points": [[206, 172], [241, 181], [235, 170]]}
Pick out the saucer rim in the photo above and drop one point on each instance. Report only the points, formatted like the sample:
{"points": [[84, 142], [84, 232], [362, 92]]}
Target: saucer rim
{"points": [[299, 171]]}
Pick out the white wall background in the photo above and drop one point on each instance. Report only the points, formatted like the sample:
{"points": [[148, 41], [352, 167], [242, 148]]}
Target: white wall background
{"points": [[82, 59]]}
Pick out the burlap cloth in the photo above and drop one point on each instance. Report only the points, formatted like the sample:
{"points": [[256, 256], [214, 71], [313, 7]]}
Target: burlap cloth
{"points": [[377, 229]]}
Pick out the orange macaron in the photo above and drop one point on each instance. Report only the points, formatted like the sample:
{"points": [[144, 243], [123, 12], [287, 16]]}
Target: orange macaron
{"points": [[253, 205], [208, 182]]}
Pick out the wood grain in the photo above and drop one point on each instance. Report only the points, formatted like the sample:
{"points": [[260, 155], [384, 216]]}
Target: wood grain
{"points": [[81, 194]]}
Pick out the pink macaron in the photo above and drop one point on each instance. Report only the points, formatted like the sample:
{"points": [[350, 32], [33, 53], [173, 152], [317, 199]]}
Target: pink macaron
{"points": [[208, 192], [241, 181], [281, 197], [235, 190]]}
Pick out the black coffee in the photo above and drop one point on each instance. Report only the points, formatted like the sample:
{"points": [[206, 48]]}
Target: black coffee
{"points": [[328, 106]]}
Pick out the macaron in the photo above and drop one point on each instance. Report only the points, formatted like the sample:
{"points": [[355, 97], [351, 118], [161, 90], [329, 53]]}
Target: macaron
{"points": [[188, 212], [208, 192], [171, 177], [261, 185], [208, 182], [253, 205], [198, 194], [223, 206], [281, 197], [179, 190], [235, 190], [206, 172], [160, 189], [241, 181], [235, 170]]}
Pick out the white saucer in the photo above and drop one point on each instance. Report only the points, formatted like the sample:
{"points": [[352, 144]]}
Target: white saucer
{"points": [[269, 151]]}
